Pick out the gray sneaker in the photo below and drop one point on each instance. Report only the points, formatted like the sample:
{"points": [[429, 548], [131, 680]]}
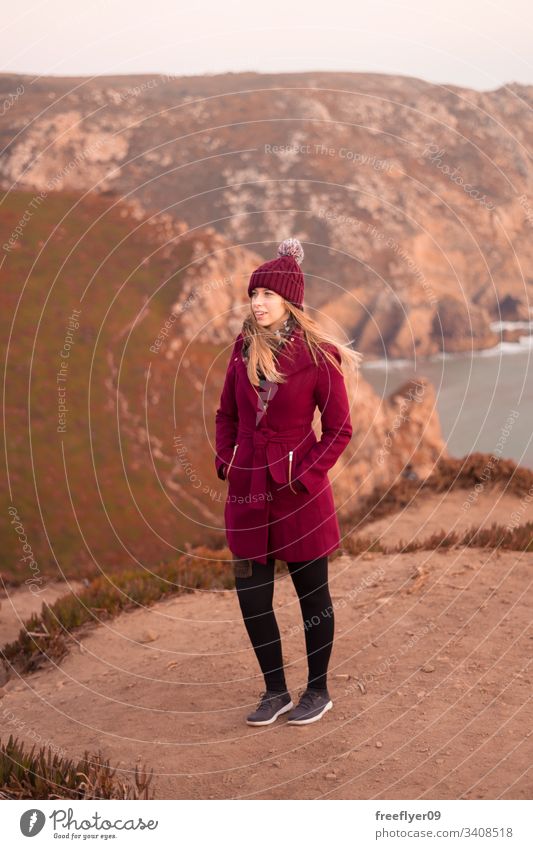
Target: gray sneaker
{"points": [[311, 707], [271, 705]]}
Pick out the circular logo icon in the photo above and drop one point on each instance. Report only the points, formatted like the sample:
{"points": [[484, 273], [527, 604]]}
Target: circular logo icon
{"points": [[31, 822]]}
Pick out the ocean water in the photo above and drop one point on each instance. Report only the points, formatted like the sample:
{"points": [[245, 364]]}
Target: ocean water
{"points": [[484, 398]]}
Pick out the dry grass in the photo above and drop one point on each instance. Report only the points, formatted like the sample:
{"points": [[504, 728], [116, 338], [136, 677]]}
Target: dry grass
{"points": [[497, 536], [47, 775], [450, 474], [45, 636]]}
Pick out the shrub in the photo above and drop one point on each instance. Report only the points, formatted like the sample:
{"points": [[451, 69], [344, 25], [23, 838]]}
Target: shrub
{"points": [[46, 775]]}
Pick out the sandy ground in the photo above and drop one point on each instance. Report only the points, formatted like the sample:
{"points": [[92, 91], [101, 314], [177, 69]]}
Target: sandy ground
{"points": [[455, 510], [430, 679], [16, 606]]}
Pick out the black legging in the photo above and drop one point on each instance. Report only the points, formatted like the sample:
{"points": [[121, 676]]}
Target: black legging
{"points": [[255, 594]]}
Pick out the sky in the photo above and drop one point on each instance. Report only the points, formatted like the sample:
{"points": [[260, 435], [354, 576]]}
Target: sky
{"points": [[472, 43]]}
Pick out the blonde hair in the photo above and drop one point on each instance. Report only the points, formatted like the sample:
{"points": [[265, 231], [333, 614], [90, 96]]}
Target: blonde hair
{"points": [[262, 343]]}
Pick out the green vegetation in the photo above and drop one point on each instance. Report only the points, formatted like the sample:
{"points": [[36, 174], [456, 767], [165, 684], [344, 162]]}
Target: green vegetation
{"points": [[95, 496], [45, 636], [46, 775], [497, 536], [450, 474]]}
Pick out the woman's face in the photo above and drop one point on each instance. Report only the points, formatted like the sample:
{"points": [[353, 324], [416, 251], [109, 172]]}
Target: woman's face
{"points": [[268, 307]]}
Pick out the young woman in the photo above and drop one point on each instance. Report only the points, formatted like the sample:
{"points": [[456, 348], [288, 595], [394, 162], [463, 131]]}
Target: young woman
{"points": [[279, 503]]}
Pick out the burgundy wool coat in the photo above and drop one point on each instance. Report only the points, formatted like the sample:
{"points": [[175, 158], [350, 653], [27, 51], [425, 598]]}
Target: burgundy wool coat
{"points": [[265, 444]]}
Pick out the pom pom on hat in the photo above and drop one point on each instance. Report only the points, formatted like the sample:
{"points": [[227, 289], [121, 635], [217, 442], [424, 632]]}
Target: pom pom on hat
{"points": [[291, 247], [283, 274]]}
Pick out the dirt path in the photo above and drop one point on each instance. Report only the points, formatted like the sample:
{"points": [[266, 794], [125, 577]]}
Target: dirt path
{"points": [[170, 685], [452, 510], [17, 605]]}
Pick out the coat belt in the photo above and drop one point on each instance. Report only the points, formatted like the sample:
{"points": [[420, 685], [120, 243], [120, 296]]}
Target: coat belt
{"points": [[261, 437]]}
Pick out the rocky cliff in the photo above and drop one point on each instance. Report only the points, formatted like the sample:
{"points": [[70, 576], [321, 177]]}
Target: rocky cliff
{"points": [[413, 200]]}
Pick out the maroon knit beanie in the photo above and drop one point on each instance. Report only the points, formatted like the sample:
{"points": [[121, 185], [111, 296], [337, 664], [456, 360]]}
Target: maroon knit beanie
{"points": [[282, 275]]}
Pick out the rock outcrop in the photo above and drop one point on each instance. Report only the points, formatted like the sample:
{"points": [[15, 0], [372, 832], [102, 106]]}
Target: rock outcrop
{"points": [[413, 200]]}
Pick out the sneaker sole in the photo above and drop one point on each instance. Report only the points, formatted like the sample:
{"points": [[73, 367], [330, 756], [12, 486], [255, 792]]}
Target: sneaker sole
{"points": [[313, 718], [284, 709]]}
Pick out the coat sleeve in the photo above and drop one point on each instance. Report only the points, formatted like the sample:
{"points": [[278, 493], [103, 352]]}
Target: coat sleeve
{"points": [[332, 400], [226, 419]]}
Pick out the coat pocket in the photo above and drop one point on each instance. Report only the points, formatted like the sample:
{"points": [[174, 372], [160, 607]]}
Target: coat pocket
{"points": [[281, 458], [291, 453], [232, 459], [278, 461]]}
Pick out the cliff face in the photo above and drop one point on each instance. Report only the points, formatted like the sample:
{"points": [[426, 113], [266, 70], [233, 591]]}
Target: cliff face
{"points": [[134, 449], [413, 200], [389, 433]]}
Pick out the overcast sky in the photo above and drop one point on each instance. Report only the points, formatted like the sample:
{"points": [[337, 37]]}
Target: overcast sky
{"points": [[472, 43]]}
